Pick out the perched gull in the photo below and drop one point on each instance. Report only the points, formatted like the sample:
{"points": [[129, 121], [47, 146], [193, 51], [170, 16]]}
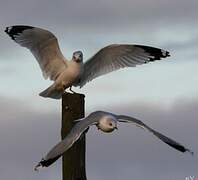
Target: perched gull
{"points": [[65, 74], [106, 122]]}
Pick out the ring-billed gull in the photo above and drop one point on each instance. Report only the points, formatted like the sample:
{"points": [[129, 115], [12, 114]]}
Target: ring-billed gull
{"points": [[106, 122], [65, 74]]}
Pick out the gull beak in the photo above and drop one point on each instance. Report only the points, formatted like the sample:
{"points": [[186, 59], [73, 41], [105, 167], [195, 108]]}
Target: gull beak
{"points": [[78, 60]]}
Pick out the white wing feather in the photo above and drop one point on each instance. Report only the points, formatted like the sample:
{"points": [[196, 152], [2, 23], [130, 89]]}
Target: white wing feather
{"points": [[43, 45], [114, 57]]}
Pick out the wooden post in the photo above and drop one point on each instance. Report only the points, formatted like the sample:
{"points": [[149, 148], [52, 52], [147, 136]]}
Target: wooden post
{"points": [[73, 162]]}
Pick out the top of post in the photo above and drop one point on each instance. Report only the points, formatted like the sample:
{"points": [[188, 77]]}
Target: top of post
{"points": [[66, 95]]}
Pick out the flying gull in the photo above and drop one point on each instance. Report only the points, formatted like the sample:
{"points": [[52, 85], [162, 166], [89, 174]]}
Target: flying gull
{"points": [[106, 122], [65, 74]]}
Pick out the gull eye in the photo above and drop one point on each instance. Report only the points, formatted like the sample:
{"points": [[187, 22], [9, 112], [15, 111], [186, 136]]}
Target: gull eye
{"points": [[110, 124]]}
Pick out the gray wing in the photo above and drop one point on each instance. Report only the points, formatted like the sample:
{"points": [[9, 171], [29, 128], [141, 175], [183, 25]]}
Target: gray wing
{"points": [[79, 128], [165, 139], [43, 45], [114, 57]]}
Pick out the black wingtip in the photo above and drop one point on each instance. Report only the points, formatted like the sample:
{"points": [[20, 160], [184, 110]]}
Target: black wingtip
{"points": [[6, 30], [45, 163], [167, 54], [180, 148], [189, 151], [155, 53], [42, 163], [12, 31]]}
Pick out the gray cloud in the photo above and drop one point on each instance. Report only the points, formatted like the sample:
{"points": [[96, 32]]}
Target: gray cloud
{"points": [[93, 24], [184, 50], [26, 134], [97, 13]]}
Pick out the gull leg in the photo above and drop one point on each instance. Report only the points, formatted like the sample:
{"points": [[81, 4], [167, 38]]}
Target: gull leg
{"points": [[64, 89], [70, 88]]}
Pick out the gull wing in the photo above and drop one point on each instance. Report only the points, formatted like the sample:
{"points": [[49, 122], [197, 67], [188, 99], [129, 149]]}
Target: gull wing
{"points": [[43, 45], [165, 139], [78, 129], [116, 56]]}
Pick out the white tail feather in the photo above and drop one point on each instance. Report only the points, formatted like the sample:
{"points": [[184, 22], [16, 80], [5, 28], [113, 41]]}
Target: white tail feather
{"points": [[52, 92]]}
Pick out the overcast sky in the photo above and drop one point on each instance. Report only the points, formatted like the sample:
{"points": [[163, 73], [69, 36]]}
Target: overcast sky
{"points": [[162, 94]]}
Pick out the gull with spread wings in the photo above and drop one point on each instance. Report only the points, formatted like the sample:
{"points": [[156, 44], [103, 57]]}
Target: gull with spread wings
{"points": [[65, 74], [107, 122]]}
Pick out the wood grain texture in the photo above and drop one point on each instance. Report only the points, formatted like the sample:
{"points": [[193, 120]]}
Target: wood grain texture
{"points": [[73, 163]]}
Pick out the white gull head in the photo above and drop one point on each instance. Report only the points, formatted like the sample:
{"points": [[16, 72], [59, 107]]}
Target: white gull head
{"points": [[77, 56], [107, 124]]}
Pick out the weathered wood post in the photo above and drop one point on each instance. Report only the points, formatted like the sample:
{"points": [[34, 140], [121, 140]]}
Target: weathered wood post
{"points": [[73, 162]]}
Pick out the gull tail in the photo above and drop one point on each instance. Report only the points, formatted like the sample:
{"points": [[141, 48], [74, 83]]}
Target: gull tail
{"points": [[52, 92]]}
